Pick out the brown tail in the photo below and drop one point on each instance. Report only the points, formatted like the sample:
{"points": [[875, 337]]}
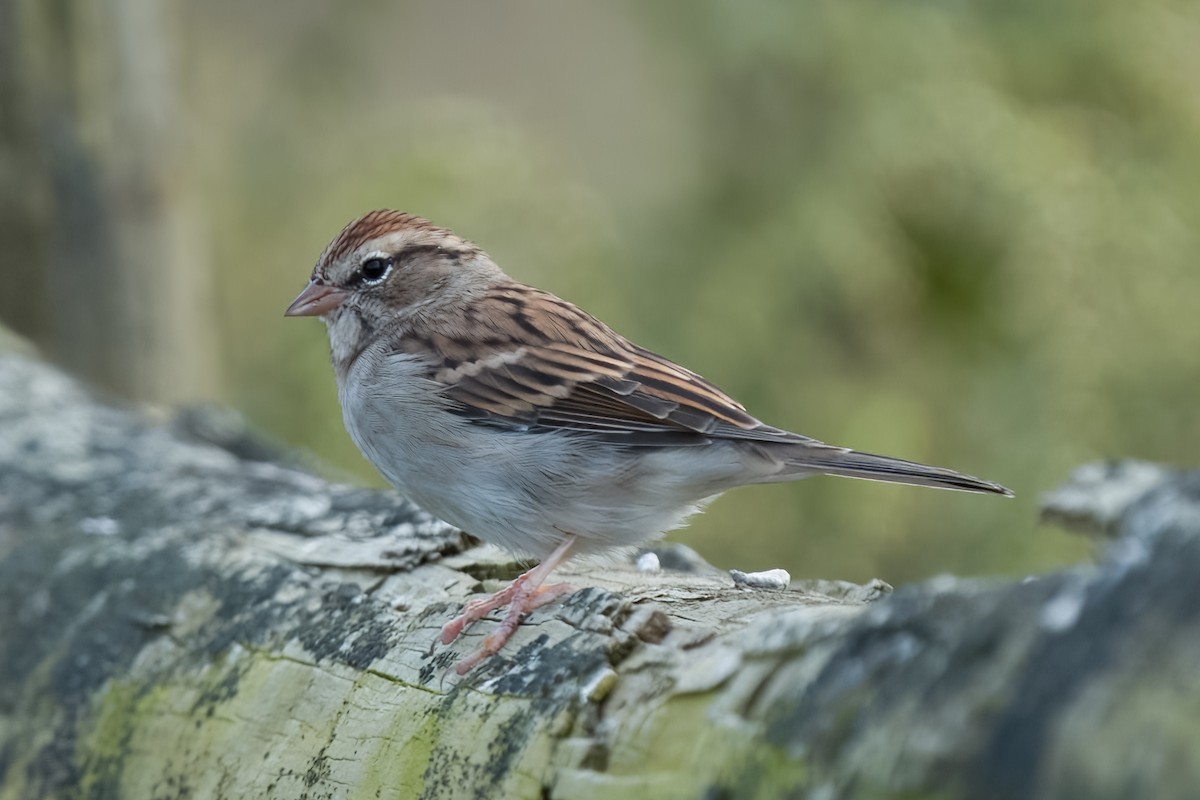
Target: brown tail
{"points": [[868, 466]]}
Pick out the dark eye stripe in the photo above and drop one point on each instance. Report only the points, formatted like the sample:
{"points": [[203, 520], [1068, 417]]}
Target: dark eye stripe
{"points": [[414, 249], [375, 269]]}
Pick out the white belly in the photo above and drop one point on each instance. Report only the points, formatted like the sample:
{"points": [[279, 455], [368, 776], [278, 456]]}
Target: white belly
{"points": [[522, 491]]}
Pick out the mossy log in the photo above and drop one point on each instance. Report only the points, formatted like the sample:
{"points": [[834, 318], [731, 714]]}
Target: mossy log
{"points": [[184, 618]]}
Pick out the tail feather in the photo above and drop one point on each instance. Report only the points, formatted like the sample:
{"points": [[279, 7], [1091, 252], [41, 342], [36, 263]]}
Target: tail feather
{"points": [[868, 466]]}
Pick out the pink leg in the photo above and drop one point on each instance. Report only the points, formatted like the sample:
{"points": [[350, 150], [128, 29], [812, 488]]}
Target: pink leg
{"points": [[478, 609], [521, 596]]}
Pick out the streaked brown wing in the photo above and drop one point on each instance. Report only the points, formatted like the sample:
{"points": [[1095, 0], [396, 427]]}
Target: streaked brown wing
{"points": [[543, 364]]}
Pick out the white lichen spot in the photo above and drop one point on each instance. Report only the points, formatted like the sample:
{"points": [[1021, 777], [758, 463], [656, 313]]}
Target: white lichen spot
{"points": [[1062, 611], [771, 579], [648, 562], [942, 584], [597, 687], [99, 526]]}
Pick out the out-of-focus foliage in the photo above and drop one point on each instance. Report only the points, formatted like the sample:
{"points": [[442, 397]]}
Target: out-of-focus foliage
{"points": [[961, 233]]}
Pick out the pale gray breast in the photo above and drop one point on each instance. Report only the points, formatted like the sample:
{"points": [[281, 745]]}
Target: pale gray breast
{"points": [[395, 414]]}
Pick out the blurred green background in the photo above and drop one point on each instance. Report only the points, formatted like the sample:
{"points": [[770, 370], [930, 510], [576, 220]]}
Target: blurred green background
{"points": [[960, 233]]}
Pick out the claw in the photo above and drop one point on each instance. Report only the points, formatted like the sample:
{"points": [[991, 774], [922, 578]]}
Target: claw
{"points": [[523, 595], [525, 600], [478, 609]]}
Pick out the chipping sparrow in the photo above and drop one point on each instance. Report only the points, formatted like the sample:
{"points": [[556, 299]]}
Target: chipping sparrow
{"points": [[522, 419]]}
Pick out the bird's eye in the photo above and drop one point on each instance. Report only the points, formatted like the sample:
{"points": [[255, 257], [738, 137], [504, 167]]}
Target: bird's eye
{"points": [[374, 269]]}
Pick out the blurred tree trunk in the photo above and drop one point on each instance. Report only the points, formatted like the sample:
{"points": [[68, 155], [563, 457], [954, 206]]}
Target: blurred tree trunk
{"points": [[103, 266]]}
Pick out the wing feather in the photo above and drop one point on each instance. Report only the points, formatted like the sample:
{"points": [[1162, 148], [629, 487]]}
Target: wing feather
{"points": [[547, 365]]}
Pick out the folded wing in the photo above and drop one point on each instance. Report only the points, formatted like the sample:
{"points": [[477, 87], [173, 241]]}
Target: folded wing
{"points": [[546, 365]]}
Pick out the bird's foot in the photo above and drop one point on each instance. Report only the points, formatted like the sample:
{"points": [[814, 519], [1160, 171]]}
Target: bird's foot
{"points": [[478, 609], [524, 600], [526, 593]]}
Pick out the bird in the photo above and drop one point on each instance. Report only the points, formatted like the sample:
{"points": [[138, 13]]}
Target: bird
{"points": [[522, 419]]}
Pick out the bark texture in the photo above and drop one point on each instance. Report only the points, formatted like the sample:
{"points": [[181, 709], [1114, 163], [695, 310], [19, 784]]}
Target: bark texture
{"points": [[190, 619]]}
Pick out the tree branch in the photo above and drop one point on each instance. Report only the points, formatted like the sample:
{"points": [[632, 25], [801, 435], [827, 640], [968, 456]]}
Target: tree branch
{"points": [[184, 621]]}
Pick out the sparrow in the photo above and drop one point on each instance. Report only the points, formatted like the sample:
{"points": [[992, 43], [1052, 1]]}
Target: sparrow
{"points": [[518, 417]]}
